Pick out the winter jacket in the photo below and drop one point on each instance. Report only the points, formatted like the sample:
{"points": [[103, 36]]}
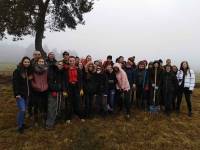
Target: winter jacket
{"points": [[189, 81], [152, 76], [101, 83], [122, 80], [130, 74], [111, 78], [56, 80], [141, 78], [40, 82], [21, 82], [168, 83]]}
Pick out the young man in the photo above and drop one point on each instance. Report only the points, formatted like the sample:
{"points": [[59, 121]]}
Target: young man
{"points": [[65, 60], [74, 91]]}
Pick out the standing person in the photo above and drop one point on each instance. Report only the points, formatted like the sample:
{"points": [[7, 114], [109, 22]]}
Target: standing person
{"points": [[123, 88], [130, 71], [57, 87], [36, 56], [168, 84], [174, 99], [186, 80], [142, 85], [65, 60], [87, 59], [40, 91], [156, 71], [89, 87], [74, 91], [108, 62], [51, 60], [111, 79], [21, 89], [101, 90], [77, 61]]}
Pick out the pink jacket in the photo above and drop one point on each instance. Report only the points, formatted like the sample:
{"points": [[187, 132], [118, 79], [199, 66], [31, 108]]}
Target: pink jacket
{"points": [[122, 80]]}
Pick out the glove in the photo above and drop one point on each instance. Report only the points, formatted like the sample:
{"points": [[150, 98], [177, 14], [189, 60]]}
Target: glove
{"points": [[156, 87], [65, 94], [54, 94], [153, 85], [81, 92]]}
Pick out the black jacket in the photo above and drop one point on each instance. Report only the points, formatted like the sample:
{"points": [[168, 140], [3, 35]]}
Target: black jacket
{"points": [[101, 83], [21, 82], [89, 82], [112, 80], [57, 80]]}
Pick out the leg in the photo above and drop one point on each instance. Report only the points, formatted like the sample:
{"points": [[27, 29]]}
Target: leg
{"points": [[127, 101], [188, 100], [179, 99], [20, 118], [52, 106]]}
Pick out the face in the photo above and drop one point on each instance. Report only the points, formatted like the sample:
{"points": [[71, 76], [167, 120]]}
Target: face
{"points": [[26, 63], [121, 59], [98, 69], [80, 65], [41, 62], [90, 67], [141, 66], [130, 62], [72, 61], [60, 65], [77, 60], [37, 55], [168, 61], [51, 56], [150, 66], [156, 65], [89, 58], [185, 65], [174, 68], [168, 69], [116, 69], [109, 69], [66, 56]]}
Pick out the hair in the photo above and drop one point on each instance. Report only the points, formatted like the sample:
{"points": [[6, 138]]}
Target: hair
{"points": [[22, 60], [181, 66], [65, 53]]}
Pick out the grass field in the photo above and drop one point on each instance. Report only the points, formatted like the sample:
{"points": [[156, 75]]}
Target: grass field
{"points": [[142, 131]]}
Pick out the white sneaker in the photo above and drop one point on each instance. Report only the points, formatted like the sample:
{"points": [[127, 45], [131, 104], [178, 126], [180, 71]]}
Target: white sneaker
{"points": [[68, 122], [82, 120]]}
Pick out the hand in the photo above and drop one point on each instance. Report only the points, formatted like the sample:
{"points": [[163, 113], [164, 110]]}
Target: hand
{"points": [[153, 85], [81, 92], [134, 86], [156, 87], [65, 94]]}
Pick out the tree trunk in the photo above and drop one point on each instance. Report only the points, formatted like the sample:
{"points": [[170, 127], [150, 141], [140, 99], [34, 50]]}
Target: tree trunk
{"points": [[40, 27]]}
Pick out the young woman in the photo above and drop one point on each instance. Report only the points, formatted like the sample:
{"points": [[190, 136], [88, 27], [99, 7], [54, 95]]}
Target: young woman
{"points": [[74, 90], [186, 80], [21, 88], [57, 87], [111, 79], [40, 92], [101, 90], [89, 87], [168, 85], [142, 85], [123, 88]]}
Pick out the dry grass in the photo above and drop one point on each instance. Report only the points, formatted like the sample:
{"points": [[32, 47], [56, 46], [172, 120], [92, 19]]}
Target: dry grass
{"points": [[142, 131]]}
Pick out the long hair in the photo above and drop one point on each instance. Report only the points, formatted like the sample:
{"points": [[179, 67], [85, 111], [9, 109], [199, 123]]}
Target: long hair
{"points": [[22, 60], [187, 69]]}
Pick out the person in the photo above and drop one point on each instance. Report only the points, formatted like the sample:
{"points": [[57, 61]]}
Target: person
{"points": [[174, 99], [111, 90], [168, 84], [87, 59], [101, 90], [186, 80], [40, 92], [57, 87], [65, 60], [154, 81], [22, 77], [89, 88], [130, 71], [77, 60], [36, 55], [123, 88], [74, 90], [51, 60], [108, 62], [141, 82]]}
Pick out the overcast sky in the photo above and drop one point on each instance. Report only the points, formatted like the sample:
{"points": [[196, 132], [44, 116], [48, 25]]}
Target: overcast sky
{"points": [[148, 29]]}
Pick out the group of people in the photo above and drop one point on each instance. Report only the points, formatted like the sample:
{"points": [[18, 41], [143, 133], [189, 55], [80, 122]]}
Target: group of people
{"points": [[51, 90]]}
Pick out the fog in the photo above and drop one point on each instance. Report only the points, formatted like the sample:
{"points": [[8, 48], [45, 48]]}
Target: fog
{"points": [[147, 29]]}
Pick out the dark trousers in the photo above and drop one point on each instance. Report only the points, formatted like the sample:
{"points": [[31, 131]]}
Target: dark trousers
{"points": [[141, 97], [89, 97], [174, 98], [187, 94], [72, 102], [167, 98], [40, 104], [123, 98]]}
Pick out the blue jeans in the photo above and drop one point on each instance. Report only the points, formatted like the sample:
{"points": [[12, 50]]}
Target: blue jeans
{"points": [[111, 97], [21, 114]]}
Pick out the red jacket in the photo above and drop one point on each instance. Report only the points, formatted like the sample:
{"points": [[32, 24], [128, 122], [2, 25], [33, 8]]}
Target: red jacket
{"points": [[40, 82]]}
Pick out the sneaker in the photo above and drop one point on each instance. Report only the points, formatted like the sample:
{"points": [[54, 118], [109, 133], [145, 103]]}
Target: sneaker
{"points": [[82, 120], [190, 114], [20, 130], [68, 122]]}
